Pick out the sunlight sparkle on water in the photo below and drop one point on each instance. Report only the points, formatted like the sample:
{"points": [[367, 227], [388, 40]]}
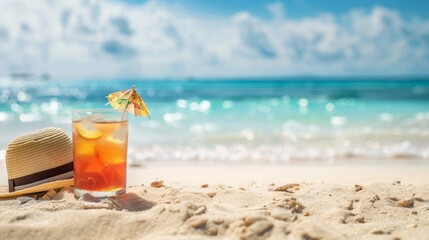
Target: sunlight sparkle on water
{"points": [[15, 107], [182, 103], [22, 96], [338, 120], [303, 102], [330, 107], [194, 106], [173, 118], [4, 117], [29, 117], [204, 105]]}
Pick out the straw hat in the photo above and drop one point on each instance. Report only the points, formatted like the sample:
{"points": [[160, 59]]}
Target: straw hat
{"points": [[39, 161]]}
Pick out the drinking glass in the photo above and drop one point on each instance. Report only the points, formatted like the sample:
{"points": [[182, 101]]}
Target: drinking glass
{"points": [[100, 142]]}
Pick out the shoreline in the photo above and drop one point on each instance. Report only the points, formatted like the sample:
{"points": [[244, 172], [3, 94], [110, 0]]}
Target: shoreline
{"points": [[341, 173], [344, 174]]}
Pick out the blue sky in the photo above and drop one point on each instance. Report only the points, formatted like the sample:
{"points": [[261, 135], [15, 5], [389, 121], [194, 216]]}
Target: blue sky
{"points": [[301, 8], [177, 39]]}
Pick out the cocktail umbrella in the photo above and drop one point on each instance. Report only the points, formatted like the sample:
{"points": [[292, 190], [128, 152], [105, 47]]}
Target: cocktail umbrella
{"points": [[128, 101]]}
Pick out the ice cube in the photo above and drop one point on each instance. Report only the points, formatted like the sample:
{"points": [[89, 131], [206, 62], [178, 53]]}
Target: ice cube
{"points": [[111, 151], [120, 136], [115, 175], [84, 148], [88, 122], [93, 118]]}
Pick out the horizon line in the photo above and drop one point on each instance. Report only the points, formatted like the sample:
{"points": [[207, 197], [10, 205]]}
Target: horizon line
{"points": [[47, 77]]}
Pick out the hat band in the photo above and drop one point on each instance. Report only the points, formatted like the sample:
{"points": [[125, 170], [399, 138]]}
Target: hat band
{"points": [[48, 175]]}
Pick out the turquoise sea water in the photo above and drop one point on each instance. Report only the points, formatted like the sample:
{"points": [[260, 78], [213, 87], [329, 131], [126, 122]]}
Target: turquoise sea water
{"points": [[258, 120]]}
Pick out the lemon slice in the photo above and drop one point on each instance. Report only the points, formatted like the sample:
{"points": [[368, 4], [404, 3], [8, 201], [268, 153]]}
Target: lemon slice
{"points": [[88, 134]]}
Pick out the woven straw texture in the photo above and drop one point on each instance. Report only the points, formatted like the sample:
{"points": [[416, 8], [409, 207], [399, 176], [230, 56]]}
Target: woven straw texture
{"points": [[38, 151]]}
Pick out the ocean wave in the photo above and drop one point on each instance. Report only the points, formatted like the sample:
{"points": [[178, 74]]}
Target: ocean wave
{"points": [[281, 153], [242, 121]]}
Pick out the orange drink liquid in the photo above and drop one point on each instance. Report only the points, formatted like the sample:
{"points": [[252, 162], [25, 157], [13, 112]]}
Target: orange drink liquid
{"points": [[100, 156]]}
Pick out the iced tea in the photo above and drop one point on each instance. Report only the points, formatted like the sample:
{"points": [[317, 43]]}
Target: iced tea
{"points": [[100, 155]]}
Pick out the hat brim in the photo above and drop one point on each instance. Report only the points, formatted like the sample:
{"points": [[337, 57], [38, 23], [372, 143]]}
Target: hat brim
{"points": [[39, 188]]}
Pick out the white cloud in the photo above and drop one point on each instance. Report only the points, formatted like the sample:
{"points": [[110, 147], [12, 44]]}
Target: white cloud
{"points": [[109, 38]]}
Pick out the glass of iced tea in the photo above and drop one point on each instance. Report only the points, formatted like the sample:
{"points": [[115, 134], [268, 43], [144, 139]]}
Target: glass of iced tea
{"points": [[100, 140]]}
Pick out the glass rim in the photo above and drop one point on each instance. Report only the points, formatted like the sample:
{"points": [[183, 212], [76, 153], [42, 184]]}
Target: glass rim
{"points": [[105, 113], [108, 110]]}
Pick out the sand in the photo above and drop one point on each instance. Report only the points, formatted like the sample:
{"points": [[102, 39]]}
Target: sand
{"points": [[240, 209]]}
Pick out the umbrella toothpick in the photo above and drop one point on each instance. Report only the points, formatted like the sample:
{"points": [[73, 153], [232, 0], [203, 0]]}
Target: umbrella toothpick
{"points": [[128, 101]]}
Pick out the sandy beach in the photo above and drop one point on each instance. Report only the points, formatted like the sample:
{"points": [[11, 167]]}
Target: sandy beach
{"points": [[235, 120], [236, 202]]}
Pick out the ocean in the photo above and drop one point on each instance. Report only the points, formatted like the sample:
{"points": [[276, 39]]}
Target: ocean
{"points": [[240, 120]]}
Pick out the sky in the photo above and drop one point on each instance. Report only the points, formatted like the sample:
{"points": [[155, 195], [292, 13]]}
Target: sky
{"points": [[210, 39], [300, 8]]}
